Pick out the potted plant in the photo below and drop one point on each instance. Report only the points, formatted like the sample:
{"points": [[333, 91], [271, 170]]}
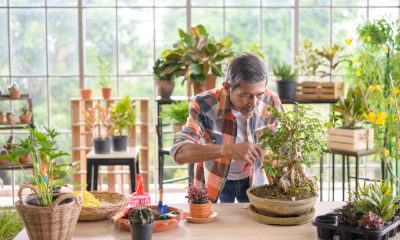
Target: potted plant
{"points": [[198, 57], [141, 221], [97, 121], [331, 59], [26, 114], [105, 81], [1, 117], [86, 93], [299, 143], [199, 205], [14, 91], [43, 209], [286, 81], [177, 113], [24, 159], [3, 152], [348, 215], [165, 82], [8, 116], [309, 60]]}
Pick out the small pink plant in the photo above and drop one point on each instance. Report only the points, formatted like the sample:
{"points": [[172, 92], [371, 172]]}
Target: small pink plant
{"points": [[197, 194], [97, 119], [372, 221]]}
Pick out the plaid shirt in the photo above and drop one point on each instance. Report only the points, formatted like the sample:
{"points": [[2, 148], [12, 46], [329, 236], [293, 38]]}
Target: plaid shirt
{"points": [[211, 119]]}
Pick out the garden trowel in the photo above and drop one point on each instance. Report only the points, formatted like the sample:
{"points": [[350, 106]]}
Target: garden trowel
{"points": [[162, 208]]}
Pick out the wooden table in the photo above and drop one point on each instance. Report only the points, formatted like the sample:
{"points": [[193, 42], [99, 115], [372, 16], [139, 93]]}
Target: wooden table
{"points": [[232, 223]]}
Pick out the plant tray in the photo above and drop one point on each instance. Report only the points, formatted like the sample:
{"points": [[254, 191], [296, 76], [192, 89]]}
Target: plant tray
{"points": [[329, 230]]}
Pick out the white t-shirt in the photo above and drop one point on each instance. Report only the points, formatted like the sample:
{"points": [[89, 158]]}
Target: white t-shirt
{"points": [[236, 168]]}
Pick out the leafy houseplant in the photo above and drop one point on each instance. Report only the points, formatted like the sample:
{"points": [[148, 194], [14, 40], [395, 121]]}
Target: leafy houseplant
{"points": [[372, 221], [286, 81], [122, 119], [177, 113], [25, 115], [141, 221], [332, 58], [97, 121], [165, 82], [14, 91], [309, 60], [199, 205], [105, 81], [3, 152], [348, 215]]}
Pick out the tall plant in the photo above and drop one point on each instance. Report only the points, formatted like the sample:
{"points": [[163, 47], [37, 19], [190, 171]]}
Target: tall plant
{"points": [[332, 59], [105, 80], [123, 116]]}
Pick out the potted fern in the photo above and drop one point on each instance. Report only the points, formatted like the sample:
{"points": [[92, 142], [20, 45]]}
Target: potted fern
{"points": [[105, 81], [122, 119], [286, 81], [25, 115], [177, 113]]}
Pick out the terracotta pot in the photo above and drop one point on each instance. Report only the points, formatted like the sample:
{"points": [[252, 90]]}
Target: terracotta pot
{"points": [[211, 81], [106, 93], [86, 93], [165, 88], [3, 161], [25, 118], [199, 87], [1, 118], [25, 159], [8, 117], [272, 207], [198, 210], [15, 93], [176, 127]]}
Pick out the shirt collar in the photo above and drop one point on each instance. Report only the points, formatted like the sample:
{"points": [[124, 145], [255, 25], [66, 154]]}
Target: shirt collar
{"points": [[224, 107]]}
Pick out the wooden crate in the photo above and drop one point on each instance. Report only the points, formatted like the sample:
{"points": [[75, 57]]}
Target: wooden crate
{"points": [[319, 90], [351, 140]]}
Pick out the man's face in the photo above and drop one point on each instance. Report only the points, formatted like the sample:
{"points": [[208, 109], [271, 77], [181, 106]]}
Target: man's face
{"points": [[246, 97]]}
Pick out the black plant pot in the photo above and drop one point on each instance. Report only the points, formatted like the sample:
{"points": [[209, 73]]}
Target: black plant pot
{"points": [[120, 143], [141, 232], [101, 146], [286, 89]]}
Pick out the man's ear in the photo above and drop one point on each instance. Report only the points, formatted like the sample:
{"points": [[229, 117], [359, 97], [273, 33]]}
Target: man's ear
{"points": [[227, 87]]}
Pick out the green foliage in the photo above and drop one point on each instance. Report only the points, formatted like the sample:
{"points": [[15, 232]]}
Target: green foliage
{"points": [[46, 173], [299, 140], [177, 112], [25, 110], [97, 120], [381, 32], [123, 116], [348, 214], [10, 223], [351, 109], [309, 60], [158, 71], [8, 113], [332, 59], [105, 81], [256, 48], [141, 216], [3, 152], [284, 72]]}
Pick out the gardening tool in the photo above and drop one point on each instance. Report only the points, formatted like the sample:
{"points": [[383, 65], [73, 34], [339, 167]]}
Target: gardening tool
{"points": [[139, 198], [170, 215], [162, 208]]}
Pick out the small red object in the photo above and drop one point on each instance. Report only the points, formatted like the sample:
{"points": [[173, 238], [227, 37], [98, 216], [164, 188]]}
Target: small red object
{"points": [[245, 167], [139, 198]]}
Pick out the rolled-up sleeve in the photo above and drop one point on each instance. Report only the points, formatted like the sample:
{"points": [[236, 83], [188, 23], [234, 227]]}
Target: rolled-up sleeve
{"points": [[192, 132]]}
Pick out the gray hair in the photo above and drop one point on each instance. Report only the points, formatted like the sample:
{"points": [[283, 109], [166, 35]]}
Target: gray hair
{"points": [[246, 68]]}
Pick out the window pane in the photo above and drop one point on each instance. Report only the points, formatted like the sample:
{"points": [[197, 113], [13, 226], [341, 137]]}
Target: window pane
{"points": [[242, 2], [211, 19], [98, 3], [94, 84], [378, 13], [209, 3], [170, 3], [37, 90], [99, 37], [4, 105], [242, 25], [3, 2], [349, 2], [135, 3], [277, 35], [61, 90], [384, 3], [26, 3], [4, 67], [345, 22], [314, 24], [62, 2], [63, 41], [168, 21], [135, 40], [278, 2], [28, 41], [314, 2]]}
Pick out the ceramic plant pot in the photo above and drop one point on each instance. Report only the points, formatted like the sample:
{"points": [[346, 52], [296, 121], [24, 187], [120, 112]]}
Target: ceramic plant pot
{"points": [[106, 93], [200, 210], [141, 232], [8, 117], [86, 93], [2, 118], [211, 81], [199, 87], [120, 143], [15, 93], [25, 118], [165, 88], [3, 161], [25, 159], [101, 146], [286, 89]]}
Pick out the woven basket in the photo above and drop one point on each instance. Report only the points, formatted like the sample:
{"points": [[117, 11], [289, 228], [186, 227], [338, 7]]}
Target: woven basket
{"points": [[116, 200], [55, 222]]}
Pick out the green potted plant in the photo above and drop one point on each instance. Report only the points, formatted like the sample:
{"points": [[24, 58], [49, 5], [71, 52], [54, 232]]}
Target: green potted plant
{"points": [[165, 82], [198, 57], [348, 215], [309, 60], [8, 116], [141, 221], [286, 81], [97, 121], [122, 119], [199, 205], [105, 81], [3, 152], [298, 144], [332, 59], [177, 113], [43, 208], [26, 114], [14, 91]]}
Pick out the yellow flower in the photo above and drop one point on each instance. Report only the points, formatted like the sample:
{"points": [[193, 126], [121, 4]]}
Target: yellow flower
{"points": [[386, 49], [386, 152], [354, 60], [396, 90], [370, 117], [371, 88], [348, 41], [367, 37], [358, 73], [395, 117], [378, 87], [381, 118]]}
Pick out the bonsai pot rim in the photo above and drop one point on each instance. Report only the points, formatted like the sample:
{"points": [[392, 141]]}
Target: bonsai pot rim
{"points": [[285, 202]]}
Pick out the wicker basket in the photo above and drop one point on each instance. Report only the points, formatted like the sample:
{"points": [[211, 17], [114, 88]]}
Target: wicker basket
{"points": [[116, 200], [55, 222]]}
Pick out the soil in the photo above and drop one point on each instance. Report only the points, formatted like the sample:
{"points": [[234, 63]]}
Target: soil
{"points": [[35, 203], [274, 192]]}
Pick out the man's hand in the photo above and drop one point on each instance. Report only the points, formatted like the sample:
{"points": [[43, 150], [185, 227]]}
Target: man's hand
{"points": [[247, 152]]}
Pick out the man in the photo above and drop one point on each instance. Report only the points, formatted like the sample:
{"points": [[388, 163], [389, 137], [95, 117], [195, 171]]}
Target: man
{"points": [[227, 120]]}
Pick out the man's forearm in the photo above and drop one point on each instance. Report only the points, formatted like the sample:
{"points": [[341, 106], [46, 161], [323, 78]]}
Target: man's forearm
{"points": [[194, 153]]}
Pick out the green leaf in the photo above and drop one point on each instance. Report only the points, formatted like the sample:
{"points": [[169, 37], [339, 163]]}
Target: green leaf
{"points": [[227, 42], [196, 68]]}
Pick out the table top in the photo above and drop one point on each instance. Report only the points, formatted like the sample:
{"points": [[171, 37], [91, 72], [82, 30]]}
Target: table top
{"points": [[15, 166], [132, 152], [233, 223], [349, 153]]}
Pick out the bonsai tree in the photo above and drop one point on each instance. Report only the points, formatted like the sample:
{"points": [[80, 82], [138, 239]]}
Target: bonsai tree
{"points": [[298, 143], [176, 112], [122, 116], [284, 72]]}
